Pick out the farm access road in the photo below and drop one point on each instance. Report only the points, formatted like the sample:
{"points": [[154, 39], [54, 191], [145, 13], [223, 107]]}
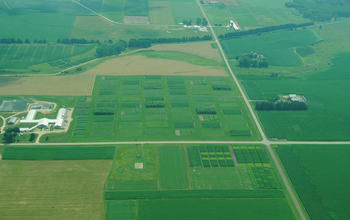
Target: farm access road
{"points": [[299, 208]]}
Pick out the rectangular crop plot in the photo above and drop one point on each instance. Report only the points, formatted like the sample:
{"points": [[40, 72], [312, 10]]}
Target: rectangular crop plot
{"points": [[210, 156], [173, 168], [58, 153]]}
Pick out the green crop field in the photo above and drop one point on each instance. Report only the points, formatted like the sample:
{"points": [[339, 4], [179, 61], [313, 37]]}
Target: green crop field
{"points": [[171, 180], [278, 47], [252, 14], [43, 58], [327, 114], [52, 189], [148, 107], [173, 169], [320, 176]]}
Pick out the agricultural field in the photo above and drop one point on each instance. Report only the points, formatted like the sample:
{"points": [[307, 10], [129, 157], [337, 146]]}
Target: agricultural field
{"points": [[34, 186], [278, 47], [320, 177], [170, 177], [42, 58], [252, 14], [324, 66], [147, 107]]}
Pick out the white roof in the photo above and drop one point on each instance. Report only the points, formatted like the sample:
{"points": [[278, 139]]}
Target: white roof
{"points": [[31, 115]]}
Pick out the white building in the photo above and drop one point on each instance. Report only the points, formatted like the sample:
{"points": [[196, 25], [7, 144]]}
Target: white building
{"points": [[234, 25], [43, 122]]}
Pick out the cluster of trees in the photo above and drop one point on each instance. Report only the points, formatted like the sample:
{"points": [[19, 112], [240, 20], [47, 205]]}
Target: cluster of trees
{"points": [[280, 106], [263, 30], [20, 41], [78, 41], [109, 49], [10, 135], [321, 10], [253, 59], [199, 22]]}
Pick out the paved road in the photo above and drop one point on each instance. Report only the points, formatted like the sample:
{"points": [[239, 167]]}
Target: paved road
{"points": [[3, 124], [265, 141]]}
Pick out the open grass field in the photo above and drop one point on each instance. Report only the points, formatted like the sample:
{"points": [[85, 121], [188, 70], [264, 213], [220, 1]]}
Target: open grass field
{"points": [[278, 47], [172, 185], [149, 107], [52, 189], [252, 14], [320, 176]]}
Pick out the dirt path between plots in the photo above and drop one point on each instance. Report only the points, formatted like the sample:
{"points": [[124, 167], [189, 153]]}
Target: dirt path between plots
{"points": [[234, 157]]}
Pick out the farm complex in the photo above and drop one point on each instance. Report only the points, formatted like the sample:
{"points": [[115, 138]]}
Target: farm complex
{"points": [[174, 110]]}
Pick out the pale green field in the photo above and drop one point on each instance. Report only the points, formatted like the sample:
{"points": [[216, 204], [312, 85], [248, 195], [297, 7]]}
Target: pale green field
{"points": [[56, 190]]}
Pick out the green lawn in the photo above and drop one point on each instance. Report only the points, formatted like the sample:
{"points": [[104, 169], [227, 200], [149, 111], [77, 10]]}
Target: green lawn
{"points": [[320, 176], [52, 189]]}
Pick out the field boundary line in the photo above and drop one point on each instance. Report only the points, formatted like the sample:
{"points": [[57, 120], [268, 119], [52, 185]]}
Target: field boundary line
{"points": [[95, 12]]}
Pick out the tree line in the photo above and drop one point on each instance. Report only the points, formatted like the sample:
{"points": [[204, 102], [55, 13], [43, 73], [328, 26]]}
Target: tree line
{"points": [[263, 30], [199, 22], [109, 48], [20, 41], [280, 106]]}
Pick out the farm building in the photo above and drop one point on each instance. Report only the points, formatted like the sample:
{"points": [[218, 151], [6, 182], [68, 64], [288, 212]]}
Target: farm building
{"points": [[234, 25], [44, 122], [12, 120], [295, 98]]}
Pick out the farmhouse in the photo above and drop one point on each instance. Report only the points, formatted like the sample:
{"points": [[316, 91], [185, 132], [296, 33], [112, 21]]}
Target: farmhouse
{"points": [[234, 25], [295, 98], [43, 122]]}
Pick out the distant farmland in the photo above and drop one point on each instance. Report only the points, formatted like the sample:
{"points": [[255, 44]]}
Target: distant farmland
{"points": [[320, 178]]}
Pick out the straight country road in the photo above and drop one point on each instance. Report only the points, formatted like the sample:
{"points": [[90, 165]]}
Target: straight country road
{"points": [[296, 203]]}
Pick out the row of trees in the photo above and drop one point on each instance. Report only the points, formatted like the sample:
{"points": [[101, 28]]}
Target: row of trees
{"points": [[20, 41], [199, 22], [109, 48], [79, 41], [280, 106], [263, 30], [321, 10]]}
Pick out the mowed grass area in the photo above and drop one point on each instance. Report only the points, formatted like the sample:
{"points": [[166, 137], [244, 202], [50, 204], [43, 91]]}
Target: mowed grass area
{"points": [[42, 58], [160, 108], [328, 103], [320, 176], [166, 187], [252, 14], [278, 47], [52, 189]]}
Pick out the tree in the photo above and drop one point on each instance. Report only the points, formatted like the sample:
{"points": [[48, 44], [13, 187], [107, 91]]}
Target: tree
{"points": [[10, 135], [31, 137], [198, 21]]}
